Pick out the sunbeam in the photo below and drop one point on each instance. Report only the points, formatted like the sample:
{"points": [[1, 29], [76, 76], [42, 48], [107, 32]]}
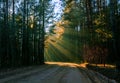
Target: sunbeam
{"points": [[61, 49]]}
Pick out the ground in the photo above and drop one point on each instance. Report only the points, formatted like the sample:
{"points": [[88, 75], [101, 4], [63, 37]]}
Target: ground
{"points": [[54, 72]]}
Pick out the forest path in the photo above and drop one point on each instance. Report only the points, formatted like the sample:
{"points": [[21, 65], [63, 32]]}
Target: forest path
{"points": [[57, 72]]}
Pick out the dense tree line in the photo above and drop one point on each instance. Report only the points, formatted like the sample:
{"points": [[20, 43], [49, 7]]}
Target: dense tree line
{"points": [[94, 26], [21, 32]]}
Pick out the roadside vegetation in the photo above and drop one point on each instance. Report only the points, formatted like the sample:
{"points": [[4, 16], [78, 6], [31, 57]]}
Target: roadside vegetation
{"points": [[109, 71]]}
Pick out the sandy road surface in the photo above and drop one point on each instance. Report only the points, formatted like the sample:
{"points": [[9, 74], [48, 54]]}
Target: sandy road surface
{"points": [[57, 73]]}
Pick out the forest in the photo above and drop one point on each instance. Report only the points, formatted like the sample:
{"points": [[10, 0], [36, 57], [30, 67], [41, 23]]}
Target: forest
{"points": [[83, 31]]}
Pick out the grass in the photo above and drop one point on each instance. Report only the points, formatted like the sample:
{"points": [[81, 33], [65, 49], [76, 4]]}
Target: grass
{"points": [[109, 71]]}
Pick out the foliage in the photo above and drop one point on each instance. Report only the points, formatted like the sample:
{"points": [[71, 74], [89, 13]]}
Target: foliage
{"points": [[103, 35], [95, 54], [92, 26], [102, 32], [95, 27], [22, 37]]}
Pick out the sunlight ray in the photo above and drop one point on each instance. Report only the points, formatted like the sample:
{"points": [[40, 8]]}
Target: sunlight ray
{"points": [[62, 50], [47, 56]]}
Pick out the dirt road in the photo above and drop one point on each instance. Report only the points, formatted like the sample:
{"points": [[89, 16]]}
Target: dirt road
{"points": [[57, 73]]}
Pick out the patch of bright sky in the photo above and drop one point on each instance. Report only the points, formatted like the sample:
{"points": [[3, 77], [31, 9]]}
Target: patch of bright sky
{"points": [[58, 11], [58, 6]]}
